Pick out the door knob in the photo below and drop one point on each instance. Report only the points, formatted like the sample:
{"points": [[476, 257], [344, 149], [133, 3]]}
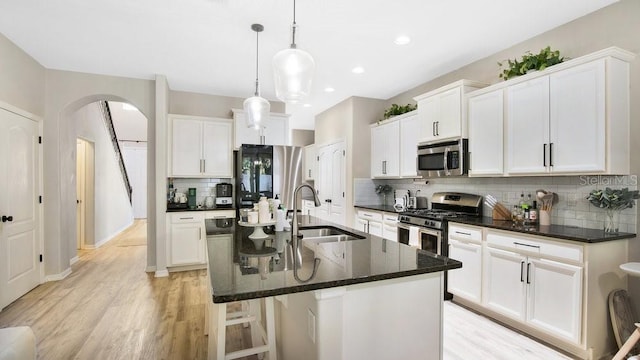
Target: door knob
{"points": [[7, 218]]}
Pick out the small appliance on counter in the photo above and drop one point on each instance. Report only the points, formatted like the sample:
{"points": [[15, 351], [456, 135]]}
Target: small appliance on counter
{"points": [[191, 198], [224, 195]]}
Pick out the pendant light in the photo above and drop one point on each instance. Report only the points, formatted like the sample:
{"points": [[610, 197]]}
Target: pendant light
{"points": [[293, 70], [256, 108]]}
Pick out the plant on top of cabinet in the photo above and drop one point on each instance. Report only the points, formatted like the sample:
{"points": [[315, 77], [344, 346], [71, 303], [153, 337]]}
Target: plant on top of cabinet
{"points": [[396, 109], [545, 58]]}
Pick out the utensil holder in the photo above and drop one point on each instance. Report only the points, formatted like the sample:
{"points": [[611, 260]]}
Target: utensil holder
{"points": [[544, 217]]}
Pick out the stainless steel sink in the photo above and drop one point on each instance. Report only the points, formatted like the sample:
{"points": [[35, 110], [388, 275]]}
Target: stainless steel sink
{"points": [[327, 234]]}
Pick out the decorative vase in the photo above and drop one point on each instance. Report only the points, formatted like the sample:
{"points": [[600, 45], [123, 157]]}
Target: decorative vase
{"points": [[611, 222]]}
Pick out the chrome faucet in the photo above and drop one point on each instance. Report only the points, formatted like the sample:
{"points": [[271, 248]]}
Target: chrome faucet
{"points": [[295, 233]]}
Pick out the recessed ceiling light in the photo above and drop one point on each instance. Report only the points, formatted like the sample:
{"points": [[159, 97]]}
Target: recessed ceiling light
{"points": [[329, 89], [357, 70], [402, 40], [307, 105]]}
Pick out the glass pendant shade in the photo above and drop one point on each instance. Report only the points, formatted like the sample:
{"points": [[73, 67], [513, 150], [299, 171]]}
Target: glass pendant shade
{"points": [[256, 110], [293, 73]]}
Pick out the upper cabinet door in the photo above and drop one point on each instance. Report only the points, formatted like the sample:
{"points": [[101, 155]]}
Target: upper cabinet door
{"points": [[449, 124], [429, 111], [578, 131], [485, 134], [186, 148], [410, 130], [310, 162], [385, 150], [528, 127], [216, 148]]}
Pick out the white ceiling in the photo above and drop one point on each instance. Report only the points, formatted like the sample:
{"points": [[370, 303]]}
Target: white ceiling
{"points": [[207, 46]]}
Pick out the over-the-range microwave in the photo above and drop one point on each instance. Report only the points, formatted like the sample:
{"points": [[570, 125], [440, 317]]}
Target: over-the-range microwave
{"points": [[447, 158]]}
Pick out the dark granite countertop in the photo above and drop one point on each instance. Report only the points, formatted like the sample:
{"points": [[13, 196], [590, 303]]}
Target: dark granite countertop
{"points": [[199, 209], [235, 276], [555, 231], [385, 208]]}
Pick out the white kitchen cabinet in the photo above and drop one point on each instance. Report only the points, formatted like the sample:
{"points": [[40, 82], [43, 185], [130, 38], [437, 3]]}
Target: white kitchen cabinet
{"points": [[310, 162], [369, 222], [539, 283], [385, 150], [200, 147], [442, 112], [410, 131], [331, 185], [390, 226], [486, 122], [465, 245], [574, 120], [185, 239], [274, 131]]}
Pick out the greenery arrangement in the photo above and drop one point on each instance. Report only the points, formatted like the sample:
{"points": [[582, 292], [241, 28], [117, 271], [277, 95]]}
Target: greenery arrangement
{"points": [[619, 199], [383, 189], [545, 58], [396, 109]]}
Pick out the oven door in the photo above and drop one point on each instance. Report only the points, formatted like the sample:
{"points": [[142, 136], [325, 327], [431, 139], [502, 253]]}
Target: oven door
{"points": [[442, 159], [408, 234], [430, 240]]}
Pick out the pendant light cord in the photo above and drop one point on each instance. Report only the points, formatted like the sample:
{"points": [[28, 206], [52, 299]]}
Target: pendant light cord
{"points": [[257, 93], [293, 28]]}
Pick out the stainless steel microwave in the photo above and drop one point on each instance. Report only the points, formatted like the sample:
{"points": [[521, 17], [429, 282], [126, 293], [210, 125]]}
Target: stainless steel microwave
{"points": [[447, 158]]}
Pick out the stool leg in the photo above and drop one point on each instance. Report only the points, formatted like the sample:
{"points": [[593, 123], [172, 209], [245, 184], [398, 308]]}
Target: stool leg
{"points": [[255, 310], [222, 331], [628, 345], [271, 328]]}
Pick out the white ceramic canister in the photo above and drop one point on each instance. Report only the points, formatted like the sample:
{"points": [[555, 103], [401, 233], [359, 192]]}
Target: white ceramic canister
{"points": [[253, 217], [264, 215]]}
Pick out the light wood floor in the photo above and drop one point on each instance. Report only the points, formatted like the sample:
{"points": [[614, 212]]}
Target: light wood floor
{"points": [[109, 308]]}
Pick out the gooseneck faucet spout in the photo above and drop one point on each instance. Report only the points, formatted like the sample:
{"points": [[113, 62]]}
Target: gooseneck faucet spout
{"points": [[295, 234]]}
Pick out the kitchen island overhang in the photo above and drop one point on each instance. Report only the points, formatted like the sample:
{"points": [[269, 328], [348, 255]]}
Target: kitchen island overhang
{"points": [[371, 297]]}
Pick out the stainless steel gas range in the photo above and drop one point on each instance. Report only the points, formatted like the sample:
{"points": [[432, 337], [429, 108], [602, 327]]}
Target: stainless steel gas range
{"points": [[427, 228]]}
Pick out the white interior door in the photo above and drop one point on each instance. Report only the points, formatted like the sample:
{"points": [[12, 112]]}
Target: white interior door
{"points": [[80, 192], [19, 229]]}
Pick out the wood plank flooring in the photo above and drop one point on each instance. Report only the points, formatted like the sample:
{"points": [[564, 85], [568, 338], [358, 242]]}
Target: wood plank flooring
{"points": [[109, 308]]}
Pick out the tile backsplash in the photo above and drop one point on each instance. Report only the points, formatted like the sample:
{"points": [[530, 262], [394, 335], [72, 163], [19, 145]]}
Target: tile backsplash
{"points": [[572, 208], [204, 187]]}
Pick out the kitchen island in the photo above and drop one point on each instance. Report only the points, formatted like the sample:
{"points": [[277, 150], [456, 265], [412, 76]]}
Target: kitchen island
{"points": [[370, 299]]}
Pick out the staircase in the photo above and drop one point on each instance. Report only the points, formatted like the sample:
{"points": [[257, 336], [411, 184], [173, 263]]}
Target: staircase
{"points": [[104, 107]]}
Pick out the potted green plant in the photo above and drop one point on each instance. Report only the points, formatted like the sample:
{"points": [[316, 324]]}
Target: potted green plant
{"points": [[383, 190], [396, 109], [613, 201], [545, 58]]}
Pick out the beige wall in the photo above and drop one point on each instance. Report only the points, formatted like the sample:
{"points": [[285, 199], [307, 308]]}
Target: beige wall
{"points": [[21, 79], [302, 137], [188, 103], [366, 111]]}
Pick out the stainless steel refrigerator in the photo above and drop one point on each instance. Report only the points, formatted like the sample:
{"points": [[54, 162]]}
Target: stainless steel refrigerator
{"points": [[268, 170]]}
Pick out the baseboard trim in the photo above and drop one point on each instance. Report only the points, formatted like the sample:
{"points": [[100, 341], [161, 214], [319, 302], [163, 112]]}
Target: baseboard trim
{"points": [[74, 260], [162, 273], [150, 268], [58, 277]]}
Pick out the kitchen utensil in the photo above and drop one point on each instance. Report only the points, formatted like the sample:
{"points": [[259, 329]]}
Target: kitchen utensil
{"points": [[421, 202], [412, 203], [208, 202]]}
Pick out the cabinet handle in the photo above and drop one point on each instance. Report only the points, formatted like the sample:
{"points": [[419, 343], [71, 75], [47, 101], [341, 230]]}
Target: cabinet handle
{"points": [[528, 268], [463, 233], [551, 154], [544, 155], [522, 271], [187, 218], [533, 246], [309, 173], [204, 165], [437, 128], [367, 215], [433, 128]]}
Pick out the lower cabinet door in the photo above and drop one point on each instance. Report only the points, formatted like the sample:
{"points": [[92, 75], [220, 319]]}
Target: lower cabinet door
{"points": [[555, 298], [504, 287], [187, 245], [466, 282], [375, 228]]}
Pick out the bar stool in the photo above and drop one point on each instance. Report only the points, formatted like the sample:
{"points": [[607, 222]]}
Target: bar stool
{"points": [[263, 338]]}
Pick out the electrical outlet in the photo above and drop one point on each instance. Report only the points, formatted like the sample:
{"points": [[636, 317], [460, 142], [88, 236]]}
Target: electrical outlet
{"points": [[572, 200], [311, 325]]}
